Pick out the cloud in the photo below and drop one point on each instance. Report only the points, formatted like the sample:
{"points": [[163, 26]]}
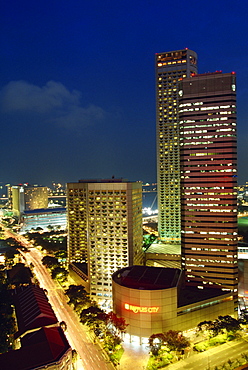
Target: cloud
{"points": [[52, 103], [78, 116]]}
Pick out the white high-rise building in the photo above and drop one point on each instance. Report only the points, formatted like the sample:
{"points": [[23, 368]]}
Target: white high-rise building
{"points": [[171, 67], [104, 231]]}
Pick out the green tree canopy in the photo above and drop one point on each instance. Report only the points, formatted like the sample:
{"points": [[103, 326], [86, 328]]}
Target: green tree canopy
{"points": [[175, 340], [78, 296], [94, 317], [221, 324], [50, 262], [61, 254], [60, 273], [155, 343], [117, 323], [229, 323]]}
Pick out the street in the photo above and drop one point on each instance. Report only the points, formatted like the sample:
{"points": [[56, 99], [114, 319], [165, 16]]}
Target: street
{"points": [[213, 357], [91, 355]]}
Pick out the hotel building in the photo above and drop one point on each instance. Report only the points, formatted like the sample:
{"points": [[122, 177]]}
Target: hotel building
{"points": [[170, 68], [104, 231], [26, 197], [207, 114]]}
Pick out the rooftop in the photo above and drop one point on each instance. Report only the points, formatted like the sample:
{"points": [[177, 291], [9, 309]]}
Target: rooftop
{"points": [[190, 294], [147, 277], [113, 179], [157, 278], [32, 309], [44, 210], [163, 248], [39, 349]]}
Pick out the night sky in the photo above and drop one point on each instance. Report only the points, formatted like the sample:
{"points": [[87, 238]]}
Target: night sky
{"points": [[77, 82]]}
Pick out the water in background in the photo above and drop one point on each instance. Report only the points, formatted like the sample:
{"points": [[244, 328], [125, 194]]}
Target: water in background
{"points": [[150, 201]]}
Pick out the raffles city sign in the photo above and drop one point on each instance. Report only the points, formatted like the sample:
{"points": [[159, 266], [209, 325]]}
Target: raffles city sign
{"points": [[140, 309]]}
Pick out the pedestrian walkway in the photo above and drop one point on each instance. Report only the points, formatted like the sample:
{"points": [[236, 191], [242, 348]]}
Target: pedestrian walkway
{"points": [[135, 356]]}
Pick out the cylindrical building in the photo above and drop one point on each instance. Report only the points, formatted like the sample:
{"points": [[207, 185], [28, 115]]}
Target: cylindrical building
{"points": [[152, 300]]}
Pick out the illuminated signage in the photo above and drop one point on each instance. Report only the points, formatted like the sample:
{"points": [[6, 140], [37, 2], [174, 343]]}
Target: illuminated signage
{"points": [[137, 309]]}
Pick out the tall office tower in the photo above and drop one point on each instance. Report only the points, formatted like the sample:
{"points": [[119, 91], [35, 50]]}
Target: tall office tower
{"points": [[207, 112], [170, 68], [26, 197], [105, 231]]}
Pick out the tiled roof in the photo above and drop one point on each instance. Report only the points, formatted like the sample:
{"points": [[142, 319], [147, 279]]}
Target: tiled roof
{"points": [[40, 348], [33, 310]]}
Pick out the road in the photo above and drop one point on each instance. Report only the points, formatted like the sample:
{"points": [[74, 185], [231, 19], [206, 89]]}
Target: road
{"points": [[213, 357], [91, 355]]}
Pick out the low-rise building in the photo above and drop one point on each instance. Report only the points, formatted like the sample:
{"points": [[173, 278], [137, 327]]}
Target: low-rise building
{"points": [[40, 341], [154, 300], [44, 218]]}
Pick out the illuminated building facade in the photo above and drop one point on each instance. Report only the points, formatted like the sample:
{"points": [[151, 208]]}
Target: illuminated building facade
{"points": [[44, 219], [170, 68], [154, 300], [104, 231], [25, 197], [207, 112]]}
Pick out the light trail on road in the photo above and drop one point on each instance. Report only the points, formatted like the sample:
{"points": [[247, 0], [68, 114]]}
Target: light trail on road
{"points": [[91, 355]]}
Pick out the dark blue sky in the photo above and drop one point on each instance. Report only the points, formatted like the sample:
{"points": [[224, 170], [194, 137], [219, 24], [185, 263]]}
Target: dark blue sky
{"points": [[77, 84]]}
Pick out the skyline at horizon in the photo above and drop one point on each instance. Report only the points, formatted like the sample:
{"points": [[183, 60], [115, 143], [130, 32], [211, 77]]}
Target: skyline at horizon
{"points": [[77, 91]]}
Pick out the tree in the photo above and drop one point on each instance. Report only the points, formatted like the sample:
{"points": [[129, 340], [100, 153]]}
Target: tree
{"points": [[111, 341], [7, 322], [229, 323], [245, 356], [175, 340], [74, 356], [155, 343], [3, 279], [63, 325], [12, 242], [222, 323], [78, 296], [204, 325], [60, 254], [95, 318], [213, 327], [118, 323], [10, 255], [39, 228], [243, 319], [50, 262], [60, 273]]}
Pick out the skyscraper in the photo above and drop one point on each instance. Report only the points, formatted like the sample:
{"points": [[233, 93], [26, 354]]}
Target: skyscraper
{"points": [[207, 112], [104, 230], [170, 68]]}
